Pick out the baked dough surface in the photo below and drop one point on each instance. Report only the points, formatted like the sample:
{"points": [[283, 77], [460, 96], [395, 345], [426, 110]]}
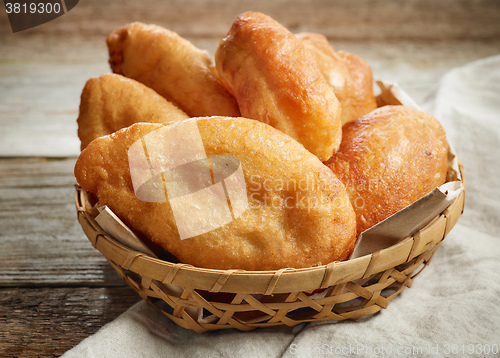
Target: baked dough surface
{"points": [[111, 102], [298, 213], [278, 82], [388, 159], [349, 75], [172, 66]]}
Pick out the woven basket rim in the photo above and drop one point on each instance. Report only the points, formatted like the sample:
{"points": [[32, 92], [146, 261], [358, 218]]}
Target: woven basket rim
{"points": [[272, 281]]}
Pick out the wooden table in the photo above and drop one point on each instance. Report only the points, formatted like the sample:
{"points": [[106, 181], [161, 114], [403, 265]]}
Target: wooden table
{"points": [[55, 289]]}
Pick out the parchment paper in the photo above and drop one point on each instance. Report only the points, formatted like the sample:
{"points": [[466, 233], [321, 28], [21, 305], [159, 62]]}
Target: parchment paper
{"points": [[383, 235], [453, 304], [406, 222]]}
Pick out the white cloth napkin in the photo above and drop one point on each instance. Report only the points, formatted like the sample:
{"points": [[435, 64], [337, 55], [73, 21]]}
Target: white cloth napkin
{"points": [[453, 307]]}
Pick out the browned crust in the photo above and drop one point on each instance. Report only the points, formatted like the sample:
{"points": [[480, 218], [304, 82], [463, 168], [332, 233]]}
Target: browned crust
{"points": [[388, 159], [349, 75], [299, 214], [111, 102], [172, 66], [277, 81]]}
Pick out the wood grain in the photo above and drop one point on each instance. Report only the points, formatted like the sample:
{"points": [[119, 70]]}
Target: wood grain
{"points": [[48, 321], [49, 93], [55, 289], [413, 43], [79, 36], [42, 242], [338, 19]]}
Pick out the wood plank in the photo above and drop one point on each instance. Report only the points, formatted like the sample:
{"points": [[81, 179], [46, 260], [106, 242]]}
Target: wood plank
{"points": [[46, 322], [49, 93], [55, 289], [80, 35], [42, 242], [43, 70], [340, 19], [39, 106]]}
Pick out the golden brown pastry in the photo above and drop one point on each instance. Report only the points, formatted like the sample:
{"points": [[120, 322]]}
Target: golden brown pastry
{"points": [[172, 66], [297, 214], [111, 102], [350, 76], [277, 81], [388, 159]]}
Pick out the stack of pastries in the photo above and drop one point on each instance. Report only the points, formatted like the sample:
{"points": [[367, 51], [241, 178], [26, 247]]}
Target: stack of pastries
{"points": [[321, 163]]}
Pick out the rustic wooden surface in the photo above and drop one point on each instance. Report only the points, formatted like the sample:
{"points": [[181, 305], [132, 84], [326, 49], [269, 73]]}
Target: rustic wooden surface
{"points": [[55, 289]]}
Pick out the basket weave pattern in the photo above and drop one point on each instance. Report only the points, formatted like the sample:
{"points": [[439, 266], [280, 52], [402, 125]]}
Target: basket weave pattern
{"points": [[205, 299]]}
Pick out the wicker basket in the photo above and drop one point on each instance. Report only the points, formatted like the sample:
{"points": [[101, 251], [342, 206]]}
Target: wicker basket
{"points": [[205, 299]]}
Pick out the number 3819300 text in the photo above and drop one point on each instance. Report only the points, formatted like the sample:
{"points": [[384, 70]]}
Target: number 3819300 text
{"points": [[32, 8]]}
